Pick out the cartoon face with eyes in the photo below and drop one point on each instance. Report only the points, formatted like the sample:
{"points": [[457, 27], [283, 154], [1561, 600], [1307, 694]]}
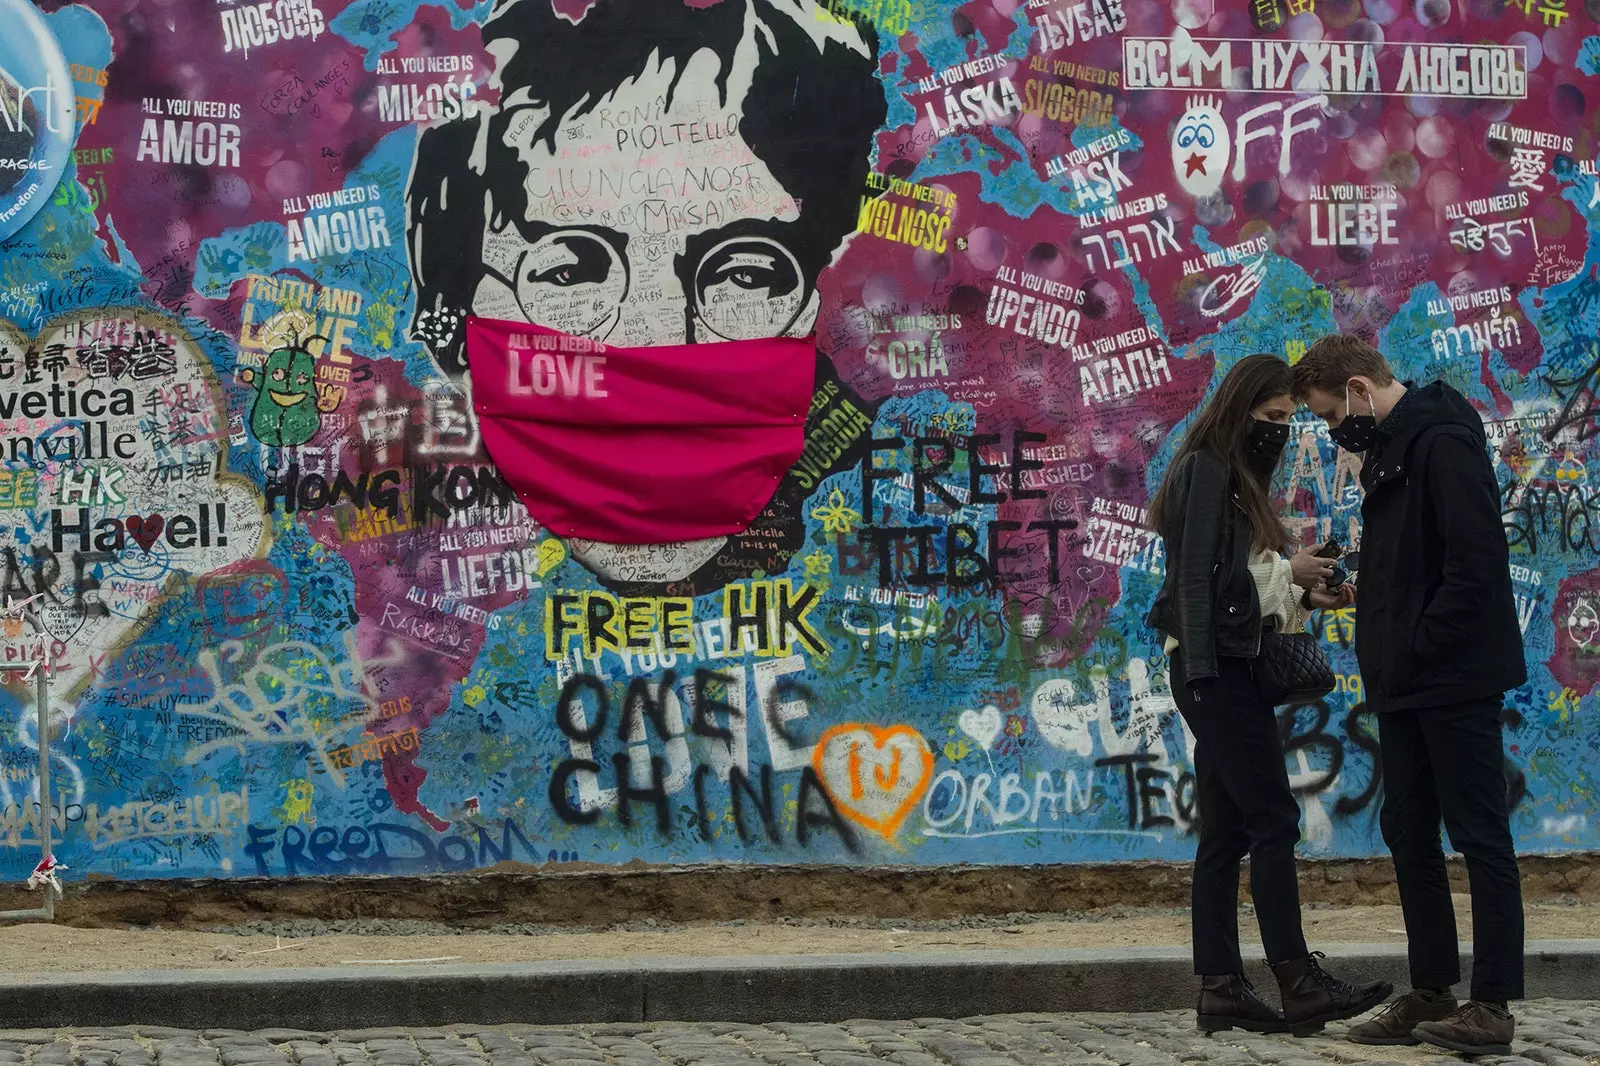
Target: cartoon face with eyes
{"points": [[285, 411], [1583, 624], [1201, 147]]}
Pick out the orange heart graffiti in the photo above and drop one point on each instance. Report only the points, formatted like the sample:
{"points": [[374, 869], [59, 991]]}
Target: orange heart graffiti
{"points": [[878, 797]]}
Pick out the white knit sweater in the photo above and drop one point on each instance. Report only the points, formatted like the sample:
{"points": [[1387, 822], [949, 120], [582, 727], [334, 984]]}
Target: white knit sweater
{"points": [[1275, 588]]}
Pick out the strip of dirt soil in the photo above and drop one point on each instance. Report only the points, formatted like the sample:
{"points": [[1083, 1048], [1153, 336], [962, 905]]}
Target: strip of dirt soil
{"points": [[37, 948], [578, 895]]}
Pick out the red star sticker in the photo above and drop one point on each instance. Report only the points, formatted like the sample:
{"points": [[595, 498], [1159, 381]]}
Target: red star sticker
{"points": [[1195, 162]]}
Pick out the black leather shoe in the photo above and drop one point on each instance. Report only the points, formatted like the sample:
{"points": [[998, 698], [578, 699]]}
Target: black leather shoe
{"points": [[1229, 1001], [1312, 997]]}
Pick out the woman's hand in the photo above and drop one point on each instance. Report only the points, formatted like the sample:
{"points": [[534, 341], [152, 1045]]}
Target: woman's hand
{"points": [[1310, 572], [1328, 600]]}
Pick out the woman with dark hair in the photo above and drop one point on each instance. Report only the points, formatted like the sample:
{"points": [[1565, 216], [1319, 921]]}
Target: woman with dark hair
{"points": [[1226, 582]]}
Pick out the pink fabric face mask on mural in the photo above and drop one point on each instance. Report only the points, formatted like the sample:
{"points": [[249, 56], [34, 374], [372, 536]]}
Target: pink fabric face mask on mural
{"points": [[639, 445]]}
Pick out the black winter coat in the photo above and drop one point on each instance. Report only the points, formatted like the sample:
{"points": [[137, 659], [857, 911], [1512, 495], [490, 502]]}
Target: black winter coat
{"points": [[1208, 600], [1436, 619]]}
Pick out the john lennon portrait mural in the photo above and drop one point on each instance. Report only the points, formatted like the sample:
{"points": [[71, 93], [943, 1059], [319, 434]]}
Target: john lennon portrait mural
{"points": [[652, 175]]}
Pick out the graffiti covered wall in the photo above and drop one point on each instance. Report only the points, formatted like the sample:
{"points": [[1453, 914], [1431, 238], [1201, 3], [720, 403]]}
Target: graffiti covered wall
{"points": [[299, 622]]}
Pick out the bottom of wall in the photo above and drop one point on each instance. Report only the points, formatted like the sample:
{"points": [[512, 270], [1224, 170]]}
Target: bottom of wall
{"points": [[574, 894]]}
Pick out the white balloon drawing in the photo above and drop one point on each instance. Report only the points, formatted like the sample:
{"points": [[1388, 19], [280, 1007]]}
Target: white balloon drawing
{"points": [[982, 726], [1201, 147]]}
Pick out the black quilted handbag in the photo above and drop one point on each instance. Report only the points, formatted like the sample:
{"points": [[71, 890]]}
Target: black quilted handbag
{"points": [[1292, 669]]}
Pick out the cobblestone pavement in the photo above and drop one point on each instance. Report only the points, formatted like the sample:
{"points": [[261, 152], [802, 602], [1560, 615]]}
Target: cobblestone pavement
{"points": [[1550, 1032]]}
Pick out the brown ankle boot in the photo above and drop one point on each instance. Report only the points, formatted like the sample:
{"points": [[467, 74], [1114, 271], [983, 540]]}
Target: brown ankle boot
{"points": [[1313, 997], [1229, 1001]]}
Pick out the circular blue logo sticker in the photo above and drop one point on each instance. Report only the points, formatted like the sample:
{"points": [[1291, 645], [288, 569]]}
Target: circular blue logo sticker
{"points": [[38, 116]]}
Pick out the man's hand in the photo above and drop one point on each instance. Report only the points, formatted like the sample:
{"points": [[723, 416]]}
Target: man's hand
{"points": [[1310, 571], [1332, 600]]}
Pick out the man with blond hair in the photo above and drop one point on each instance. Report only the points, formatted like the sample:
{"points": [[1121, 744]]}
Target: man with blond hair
{"points": [[1439, 645]]}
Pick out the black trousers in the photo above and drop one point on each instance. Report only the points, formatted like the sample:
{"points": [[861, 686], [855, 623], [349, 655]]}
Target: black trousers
{"points": [[1246, 807], [1448, 762]]}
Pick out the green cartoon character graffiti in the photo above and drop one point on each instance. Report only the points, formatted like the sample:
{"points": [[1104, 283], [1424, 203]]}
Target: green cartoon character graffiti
{"points": [[286, 411]]}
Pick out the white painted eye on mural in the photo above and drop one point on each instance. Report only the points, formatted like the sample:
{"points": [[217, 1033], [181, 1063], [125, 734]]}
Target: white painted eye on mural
{"points": [[748, 287], [1201, 147], [572, 279]]}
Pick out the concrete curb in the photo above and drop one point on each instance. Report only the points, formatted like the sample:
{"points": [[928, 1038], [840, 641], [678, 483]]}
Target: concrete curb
{"points": [[759, 988]]}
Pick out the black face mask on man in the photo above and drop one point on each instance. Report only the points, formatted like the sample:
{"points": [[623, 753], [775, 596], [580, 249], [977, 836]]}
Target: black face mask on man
{"points": [[1356, 433], [1266, 441]]}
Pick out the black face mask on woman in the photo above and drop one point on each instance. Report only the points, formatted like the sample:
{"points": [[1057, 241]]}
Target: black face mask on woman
{"points": [[1266, 441]]}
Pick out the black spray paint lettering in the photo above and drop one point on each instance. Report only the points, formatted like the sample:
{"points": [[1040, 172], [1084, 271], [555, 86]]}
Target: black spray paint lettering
{"points": [[816, 809], [313, 492], [1316, 739], [46, 571], [1552, 517], [207, 526], [437, 491], [932, 456], [912, 552], [1577, 396], [964, 563], [1358, 726], [1147, 788]]}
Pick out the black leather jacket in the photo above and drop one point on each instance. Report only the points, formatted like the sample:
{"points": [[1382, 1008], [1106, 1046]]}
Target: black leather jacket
{"points": [[1208, 601]]}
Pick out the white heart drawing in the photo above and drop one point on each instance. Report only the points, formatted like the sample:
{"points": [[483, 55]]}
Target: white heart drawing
{"points": [[982, 726]]}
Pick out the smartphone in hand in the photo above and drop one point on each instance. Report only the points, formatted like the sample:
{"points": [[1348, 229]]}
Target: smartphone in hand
{"points": [[1333, 550]]}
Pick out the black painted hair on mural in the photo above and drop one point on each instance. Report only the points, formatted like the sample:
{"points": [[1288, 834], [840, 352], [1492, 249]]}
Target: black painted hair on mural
{"points": [[1223, 428], [809, 116]]}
